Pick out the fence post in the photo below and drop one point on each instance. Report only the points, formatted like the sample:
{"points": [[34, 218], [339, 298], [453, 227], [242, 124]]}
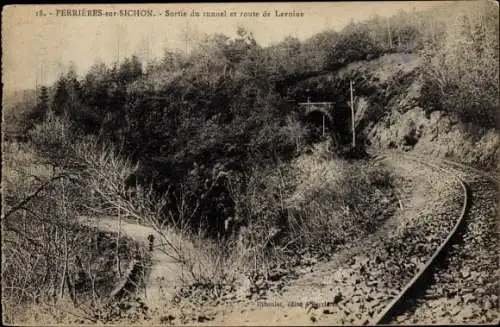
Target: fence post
{"points": [[352, 118]]}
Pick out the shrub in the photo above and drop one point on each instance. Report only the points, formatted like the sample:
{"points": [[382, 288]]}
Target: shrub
{"points": [[48, 256], [336, 201], [314, 201], [461, 77]]}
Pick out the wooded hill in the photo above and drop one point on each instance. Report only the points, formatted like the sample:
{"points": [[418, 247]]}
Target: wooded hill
{"points": [[223, 106]]}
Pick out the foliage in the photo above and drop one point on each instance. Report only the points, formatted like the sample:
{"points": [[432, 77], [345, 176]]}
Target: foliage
{"points": [[48, 256], [190, 123], [462, 76], [335, 201], [206, 148], [222, 105]]}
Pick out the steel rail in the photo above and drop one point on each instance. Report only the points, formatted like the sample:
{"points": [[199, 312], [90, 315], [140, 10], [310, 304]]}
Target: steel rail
{"points": [[393, 308]]}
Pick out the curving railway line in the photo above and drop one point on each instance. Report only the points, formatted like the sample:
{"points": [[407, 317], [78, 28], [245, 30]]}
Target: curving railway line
{"points": [[414, 272], [459, 282], [440, 265]]}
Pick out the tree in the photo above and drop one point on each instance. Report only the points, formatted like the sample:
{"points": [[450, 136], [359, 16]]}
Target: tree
{"points": [[61, 97], [42, 107], [239, 46], [353, 44], [317, 50], [130, 69], [462, 75], [285, 57], [210, 55]]}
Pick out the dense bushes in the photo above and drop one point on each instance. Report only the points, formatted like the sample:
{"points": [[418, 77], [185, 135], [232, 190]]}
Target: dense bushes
{"points": [[316, 200], [335, 201], [461, 75], [48, 258], [222, 106], [206, 148]]}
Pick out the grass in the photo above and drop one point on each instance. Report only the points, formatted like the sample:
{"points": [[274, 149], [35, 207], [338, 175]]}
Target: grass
{"points": [[336, 201], [41, 237], [308, 207], [313, 203], [304, 209]]}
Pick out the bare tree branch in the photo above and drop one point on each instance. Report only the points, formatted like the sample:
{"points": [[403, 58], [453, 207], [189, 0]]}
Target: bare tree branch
{"points": [[28, 198]]}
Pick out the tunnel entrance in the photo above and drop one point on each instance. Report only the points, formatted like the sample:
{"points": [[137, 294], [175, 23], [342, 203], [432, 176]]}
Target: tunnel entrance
{"points": [[324, 120], [319, 125]]}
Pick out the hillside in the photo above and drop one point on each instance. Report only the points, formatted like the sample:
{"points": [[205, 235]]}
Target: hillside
{"points": [[237, 169], [393, 115]]}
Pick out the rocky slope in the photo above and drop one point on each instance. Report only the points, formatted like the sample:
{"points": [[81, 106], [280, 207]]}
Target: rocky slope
{"points": [[392, 111]]}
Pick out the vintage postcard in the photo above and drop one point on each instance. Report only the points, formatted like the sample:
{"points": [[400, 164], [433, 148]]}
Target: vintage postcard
{"points": [[302, 163]]}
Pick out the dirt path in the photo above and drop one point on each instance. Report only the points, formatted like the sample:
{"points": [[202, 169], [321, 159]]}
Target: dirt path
{"points": [[165, 273], [325, 294]]}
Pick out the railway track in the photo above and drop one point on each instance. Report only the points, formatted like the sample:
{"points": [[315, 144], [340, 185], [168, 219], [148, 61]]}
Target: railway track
{"points": [[418, 275], [374, 284], [442, 290]]}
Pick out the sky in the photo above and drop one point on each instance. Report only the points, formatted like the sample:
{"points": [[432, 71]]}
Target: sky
{"points": [[39, 46]]}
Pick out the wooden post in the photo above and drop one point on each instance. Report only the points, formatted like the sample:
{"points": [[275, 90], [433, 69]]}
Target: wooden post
{"points": [[323, 125], [118, 268], [352, 118]]}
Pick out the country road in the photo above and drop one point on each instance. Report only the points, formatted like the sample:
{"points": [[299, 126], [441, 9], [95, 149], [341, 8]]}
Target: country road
{"points": [[333, 292], [165, 274]]}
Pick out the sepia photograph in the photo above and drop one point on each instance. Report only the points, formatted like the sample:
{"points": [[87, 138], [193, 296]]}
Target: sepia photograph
{"points": [[249, 164]]}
